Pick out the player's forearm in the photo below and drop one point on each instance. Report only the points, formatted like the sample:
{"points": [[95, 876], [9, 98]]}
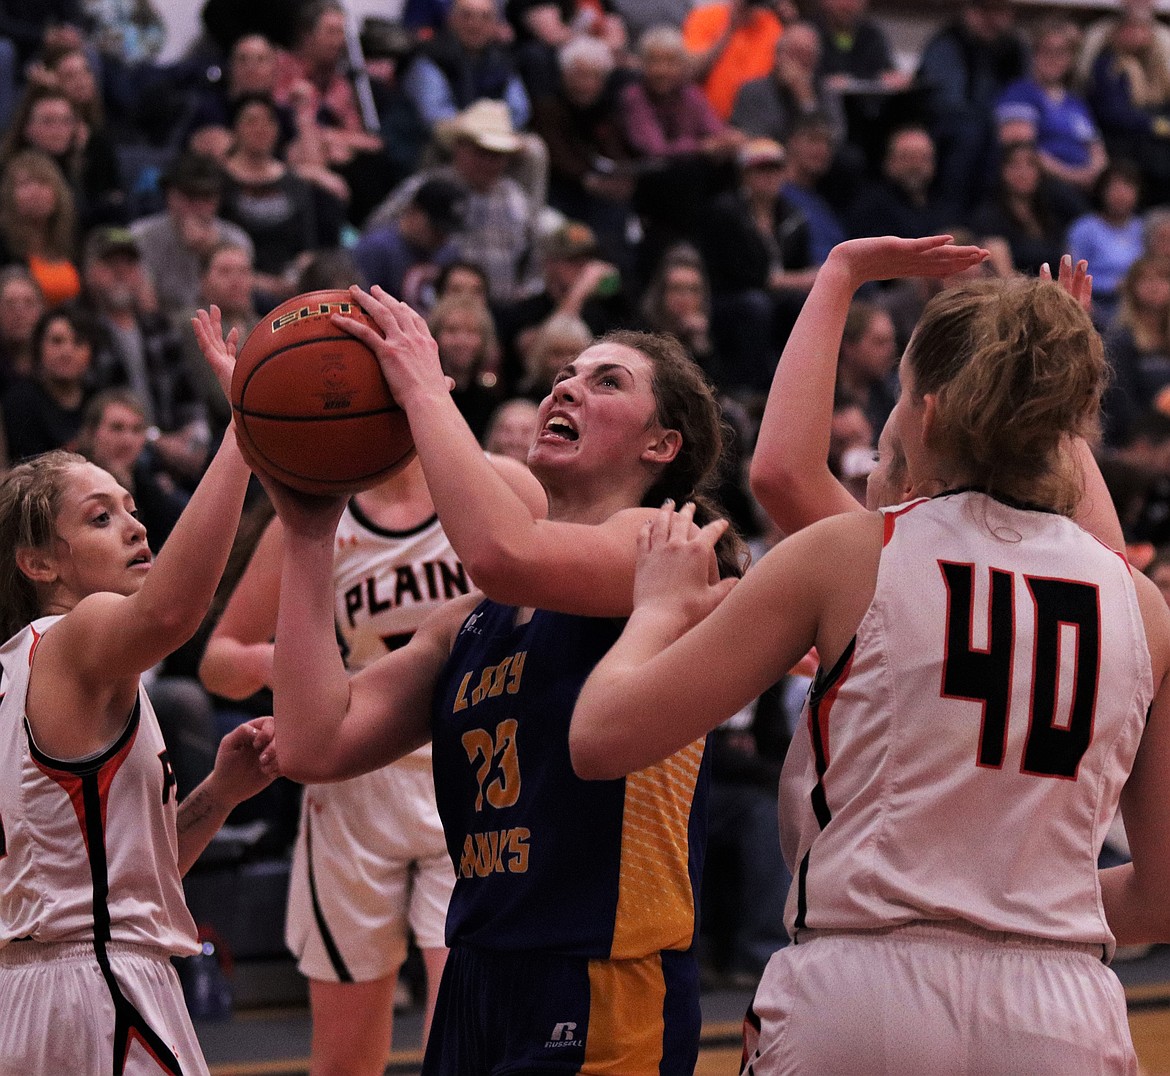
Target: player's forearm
{"points": [[235, 670], [311, 693], [200, 817], [179, 588], [486, 521], [793, 443], [598, 745]]}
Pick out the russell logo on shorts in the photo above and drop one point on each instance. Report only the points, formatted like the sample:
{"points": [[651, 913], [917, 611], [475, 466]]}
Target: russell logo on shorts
{"points": [[563, 1034]]}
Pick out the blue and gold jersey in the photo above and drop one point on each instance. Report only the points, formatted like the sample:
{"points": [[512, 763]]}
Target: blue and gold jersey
{"points": [[544, 860]]}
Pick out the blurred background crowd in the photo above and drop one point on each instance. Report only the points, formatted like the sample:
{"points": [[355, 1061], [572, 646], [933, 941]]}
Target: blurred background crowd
{"points": [[531, 174]]}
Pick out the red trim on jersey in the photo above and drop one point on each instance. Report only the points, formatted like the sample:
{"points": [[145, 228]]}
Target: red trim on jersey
{"points": [[36, 640], [820, 712], [134, 1035], [72, 783], [891, 519], [1116, 552]]}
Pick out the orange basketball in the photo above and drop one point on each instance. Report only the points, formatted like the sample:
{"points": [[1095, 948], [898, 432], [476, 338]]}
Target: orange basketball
{"points": [[310, 403]]}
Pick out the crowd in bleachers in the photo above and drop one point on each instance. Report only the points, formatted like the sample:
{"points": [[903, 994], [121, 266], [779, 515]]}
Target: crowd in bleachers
{"points": [[531, 175]]}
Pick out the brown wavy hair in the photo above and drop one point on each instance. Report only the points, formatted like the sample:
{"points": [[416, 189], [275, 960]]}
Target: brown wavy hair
{"points": [[686, 402], [1018, 369]]}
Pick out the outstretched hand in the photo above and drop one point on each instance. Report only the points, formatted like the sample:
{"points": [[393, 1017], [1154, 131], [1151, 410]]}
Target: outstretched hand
{"points": [[889, 257], [1077, 281], [677, 566], [219, 353], [405, 349]]}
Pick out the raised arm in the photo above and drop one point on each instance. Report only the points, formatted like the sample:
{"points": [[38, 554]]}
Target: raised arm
{"points": [[331, 726], [790, 474], [106, 636], [1096, 511], [512, 555], [237, 661], [665, 683]]}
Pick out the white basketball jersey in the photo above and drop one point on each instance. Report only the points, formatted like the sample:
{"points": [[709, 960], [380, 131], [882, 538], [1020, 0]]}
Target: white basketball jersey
{"points": [[88, 847], [386, 583], [964, 758]]}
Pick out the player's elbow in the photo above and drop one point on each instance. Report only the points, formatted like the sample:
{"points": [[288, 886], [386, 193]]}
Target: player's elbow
{"points": [[496, 569], [592, 757]]}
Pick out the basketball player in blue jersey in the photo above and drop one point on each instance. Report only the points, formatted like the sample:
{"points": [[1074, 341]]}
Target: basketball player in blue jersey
{"points": [[993, 684], [92, 842], [573, 918], [370, 860]]}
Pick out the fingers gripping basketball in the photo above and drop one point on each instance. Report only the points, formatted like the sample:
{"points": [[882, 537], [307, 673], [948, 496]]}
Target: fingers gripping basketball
{"points": [[310, 402]]}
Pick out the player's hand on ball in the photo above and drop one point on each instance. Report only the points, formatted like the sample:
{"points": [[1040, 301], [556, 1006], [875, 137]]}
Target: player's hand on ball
{"points": [[406, 350], [311, 515], [219, 353]]}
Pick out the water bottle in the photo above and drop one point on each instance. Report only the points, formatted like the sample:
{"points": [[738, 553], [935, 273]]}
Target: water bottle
{"points": [[208, 992]]}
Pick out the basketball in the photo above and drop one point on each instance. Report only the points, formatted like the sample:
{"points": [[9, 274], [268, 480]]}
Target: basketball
{"points": [[310, 403]]}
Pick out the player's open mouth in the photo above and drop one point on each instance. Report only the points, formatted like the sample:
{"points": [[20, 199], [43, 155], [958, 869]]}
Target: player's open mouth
{"points": [[562, 428], [142, 560]]}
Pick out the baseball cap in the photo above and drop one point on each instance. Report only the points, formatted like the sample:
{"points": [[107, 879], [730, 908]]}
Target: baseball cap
{"points": [[109, 239], [572, 239]]}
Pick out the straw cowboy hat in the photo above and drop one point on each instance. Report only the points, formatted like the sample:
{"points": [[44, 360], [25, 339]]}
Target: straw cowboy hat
{"points": [[487, 123]]}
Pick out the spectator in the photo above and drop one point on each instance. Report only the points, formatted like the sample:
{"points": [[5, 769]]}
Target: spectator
{"points": [[512, 429], [250, 68], [810, 159], [226, 280], [732, 42], [664, 113], [466, 339], [406, 255], [1110, 237], [1156, 232], [577, 281], [46, 120], [114, 434], [138, 347], [44, 410], [1098, 33], [1030, 212], [964, 68], [173, 242], [756, 247], [463, 63], [854, 48], [499, 213], [1129, 90], [678, 300], [461, 278], [683, 146], [1043, 109], [553, 345], [580, 122], [867, 366], [38, 224], [768, 107], [1138, 347], [902, 202], [543, 26], [311, 80], [21, 305], [268, 201]]}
